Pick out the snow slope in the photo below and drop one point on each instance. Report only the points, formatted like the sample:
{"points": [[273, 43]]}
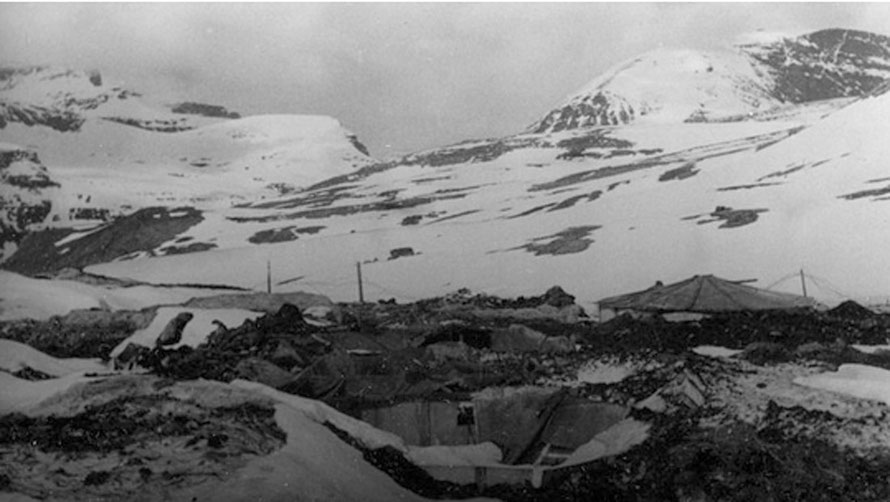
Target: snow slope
{"points": [[311, 466], [15, 356], [26, 298], [107, 168], [516, 215], [107, 151]]}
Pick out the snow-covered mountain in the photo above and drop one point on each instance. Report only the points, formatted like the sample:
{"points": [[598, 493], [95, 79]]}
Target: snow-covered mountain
{"points": [[64, 100], [109, 151], [599, 210], [685, 85]]}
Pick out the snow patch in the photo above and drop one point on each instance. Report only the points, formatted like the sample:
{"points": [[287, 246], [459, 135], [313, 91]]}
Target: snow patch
{"points": [[15, 356], [857, 380], [607, 371], [715, 351]]}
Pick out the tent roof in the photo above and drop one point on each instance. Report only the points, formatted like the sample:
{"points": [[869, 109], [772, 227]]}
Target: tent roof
{"points": [[705, 293]]}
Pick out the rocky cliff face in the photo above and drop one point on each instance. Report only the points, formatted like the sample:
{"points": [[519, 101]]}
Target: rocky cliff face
{"points": [[24, 200], [825, 64], [52, 97]]}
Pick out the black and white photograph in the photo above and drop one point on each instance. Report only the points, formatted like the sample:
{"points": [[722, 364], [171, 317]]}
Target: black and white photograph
{"points": [[481, 251]]}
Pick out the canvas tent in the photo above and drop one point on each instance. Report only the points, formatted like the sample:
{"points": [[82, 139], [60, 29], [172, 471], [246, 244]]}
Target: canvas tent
{"points": [[704, 294]]}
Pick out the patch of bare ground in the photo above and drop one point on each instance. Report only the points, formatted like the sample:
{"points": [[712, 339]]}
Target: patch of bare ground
{"points": [[455, 216], [194, 247], [389, 204], [687, 170], [571, 201], [142, 231], [874, 192], [80, 333], [318, 198], [138, 443], [792, 169], [747, 187], [568, 241], [284, 234], [577, 146], [731, 218], [696, 154], [531, 211]]}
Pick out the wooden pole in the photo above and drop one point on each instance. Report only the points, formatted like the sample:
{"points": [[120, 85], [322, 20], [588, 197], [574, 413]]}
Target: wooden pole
{"points": [[268, 276], [803, 284], [361, 291]]}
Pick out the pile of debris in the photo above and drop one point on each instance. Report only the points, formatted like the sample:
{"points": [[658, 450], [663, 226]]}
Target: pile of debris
{"points": [[477, 395], [374, 358], [847, 324], [80, 333], [273, 349], [554, 306], [117, 438]]}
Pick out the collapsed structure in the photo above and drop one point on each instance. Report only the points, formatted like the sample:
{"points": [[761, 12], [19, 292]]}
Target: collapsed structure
{"points": [[454, 397]]}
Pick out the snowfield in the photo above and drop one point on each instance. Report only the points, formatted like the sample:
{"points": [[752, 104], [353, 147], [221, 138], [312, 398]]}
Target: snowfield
{"points": [[26, 298], [794, 195]]}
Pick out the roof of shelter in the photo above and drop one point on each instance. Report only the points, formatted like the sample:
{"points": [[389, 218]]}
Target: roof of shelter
{"points": [[705, 293]]}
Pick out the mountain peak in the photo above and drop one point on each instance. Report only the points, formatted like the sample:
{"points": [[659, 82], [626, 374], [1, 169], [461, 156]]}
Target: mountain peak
{"points": [[663, 85], [763, 71]]}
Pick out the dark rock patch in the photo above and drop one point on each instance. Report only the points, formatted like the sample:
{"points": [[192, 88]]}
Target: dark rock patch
{"points": [[571, 201], [204, 110], [89, 213], [80, 333], [143, 230], [532, 210], [874, 192], [391, 204], [401, 253], [851, 310], [412, 220], [825, 64], [195, 247], [155, 125], [695, 154], [792, 169], [687, 170], [731, 218], [568, 241], [746, 187], [284, 234], [577, 146], [172, 332], [456, 215]]}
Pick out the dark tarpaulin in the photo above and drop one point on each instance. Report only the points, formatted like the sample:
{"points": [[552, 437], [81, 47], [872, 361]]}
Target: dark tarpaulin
{"points": [[705, 294]]}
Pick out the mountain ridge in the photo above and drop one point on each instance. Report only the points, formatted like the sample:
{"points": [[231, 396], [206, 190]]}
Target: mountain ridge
{"points": [[750, 78]]}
